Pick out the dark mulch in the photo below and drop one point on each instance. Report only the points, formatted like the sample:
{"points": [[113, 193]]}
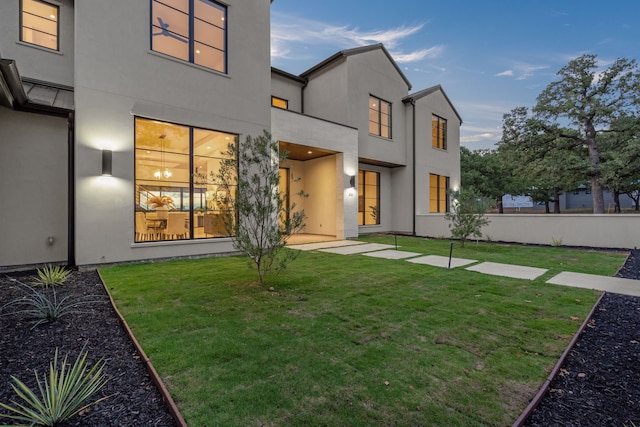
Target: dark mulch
{"points": [[134, 399], [599, 382]]}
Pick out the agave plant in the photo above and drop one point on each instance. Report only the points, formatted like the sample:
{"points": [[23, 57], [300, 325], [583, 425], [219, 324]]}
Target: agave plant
{"points": [[43, 305], [63, 393], [52, 275]]}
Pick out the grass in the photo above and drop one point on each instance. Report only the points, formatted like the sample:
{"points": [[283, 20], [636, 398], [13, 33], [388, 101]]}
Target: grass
{"points": [[355, 340]]}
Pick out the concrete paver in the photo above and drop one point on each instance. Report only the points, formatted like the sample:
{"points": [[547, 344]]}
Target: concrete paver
{"points": [[508, 270], [442, 261], [616, 285], [392, 254], [357, 249]]}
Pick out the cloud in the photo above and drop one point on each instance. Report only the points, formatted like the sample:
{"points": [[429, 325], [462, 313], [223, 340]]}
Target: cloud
{"points": [[478, 137], [505, 73], [288, 31]]}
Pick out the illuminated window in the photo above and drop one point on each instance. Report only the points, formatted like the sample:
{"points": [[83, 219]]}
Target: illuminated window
{"points": [[368, 198], [439, 132], [438, 200], [39, 23], [172, 201], [279, 103], [194, 31], [379, 117]]}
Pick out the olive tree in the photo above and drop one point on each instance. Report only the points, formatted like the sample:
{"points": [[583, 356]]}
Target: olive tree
{"points": [[467, 215]]}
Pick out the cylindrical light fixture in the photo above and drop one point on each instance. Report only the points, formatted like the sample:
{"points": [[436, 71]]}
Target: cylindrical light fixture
{"points": [[106, 162]]}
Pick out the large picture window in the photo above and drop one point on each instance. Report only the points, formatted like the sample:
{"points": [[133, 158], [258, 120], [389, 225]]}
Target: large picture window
{"points": [[191, 30], [176, 197], [39, 23], [379, 117], [438, 200], [368, 198], [439, 132]]}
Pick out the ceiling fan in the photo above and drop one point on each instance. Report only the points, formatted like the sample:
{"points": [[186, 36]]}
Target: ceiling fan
{"points": [[164, 27]]}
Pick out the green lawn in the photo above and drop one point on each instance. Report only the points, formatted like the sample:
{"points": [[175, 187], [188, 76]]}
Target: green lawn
{"points": [[355, 340]]}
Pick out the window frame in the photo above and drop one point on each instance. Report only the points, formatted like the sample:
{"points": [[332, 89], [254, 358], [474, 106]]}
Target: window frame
{"points": [[191, 40], [439, 137], [275, 99], [378, 110], [362, 184], [440, 186], [55, 5], [190, 191]]}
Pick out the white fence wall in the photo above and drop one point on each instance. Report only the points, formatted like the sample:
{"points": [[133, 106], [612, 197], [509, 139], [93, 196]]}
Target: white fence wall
{"points": [[601, 231]]}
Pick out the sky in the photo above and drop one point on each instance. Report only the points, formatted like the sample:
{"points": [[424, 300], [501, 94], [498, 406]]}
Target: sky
{"points": [[489, 56]]}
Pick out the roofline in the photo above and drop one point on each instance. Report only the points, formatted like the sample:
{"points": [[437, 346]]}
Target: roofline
{"points": [[421, 94], [355, 51], [289, 76]]}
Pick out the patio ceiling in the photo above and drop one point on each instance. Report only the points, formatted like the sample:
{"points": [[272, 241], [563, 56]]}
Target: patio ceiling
{"points": [[304, 152]]}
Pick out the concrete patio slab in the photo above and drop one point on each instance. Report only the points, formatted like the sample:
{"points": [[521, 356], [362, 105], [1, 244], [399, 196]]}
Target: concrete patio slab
{"points": [[441, 261], [601, 283], [392, 254], [324, 245], [508, 270], [357, 249]]}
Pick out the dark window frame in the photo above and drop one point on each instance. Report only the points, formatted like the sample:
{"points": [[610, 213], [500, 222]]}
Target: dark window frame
{"points": [[57, 34], [441, 124], [286, 102], [362, 182], [447, 182], [191, 36], [378, 110]]}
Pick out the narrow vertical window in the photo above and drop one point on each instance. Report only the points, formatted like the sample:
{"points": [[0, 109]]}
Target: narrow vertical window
{"points": [[439, 132], [39, 23], [379, 117], [191, 30], [368, 197], [438, 199]]}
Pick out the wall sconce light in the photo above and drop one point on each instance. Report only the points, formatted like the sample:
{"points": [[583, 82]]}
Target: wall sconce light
{"points": [[352, 181], [106, 162]]}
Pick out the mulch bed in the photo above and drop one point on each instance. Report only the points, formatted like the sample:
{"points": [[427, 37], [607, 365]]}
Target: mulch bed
{"points": [[134, 399], [599, 382], [598, 385]]}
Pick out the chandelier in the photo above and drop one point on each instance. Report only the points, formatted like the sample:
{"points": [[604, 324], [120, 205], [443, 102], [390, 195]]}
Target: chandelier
{"points": [[159, 173]]}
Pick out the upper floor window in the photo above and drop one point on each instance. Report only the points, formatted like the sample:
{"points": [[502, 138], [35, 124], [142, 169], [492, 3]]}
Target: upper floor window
{"points": [[379, 117], [439, 132], [279, 103], [39, 23], [191, 30]]}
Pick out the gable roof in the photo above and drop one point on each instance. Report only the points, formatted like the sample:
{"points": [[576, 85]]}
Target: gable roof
{"points": [[421, 94], [355, 51]]}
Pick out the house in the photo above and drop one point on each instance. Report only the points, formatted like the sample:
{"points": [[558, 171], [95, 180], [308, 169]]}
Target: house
{"points": [[110, 119]]}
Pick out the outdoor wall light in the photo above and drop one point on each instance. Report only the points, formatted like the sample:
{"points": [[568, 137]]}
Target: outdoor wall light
{"points": [[106, 162], [352, 181]]}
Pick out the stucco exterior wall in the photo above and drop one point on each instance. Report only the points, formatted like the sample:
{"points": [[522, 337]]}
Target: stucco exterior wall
{"points": [[326, 94], [33, 188], [59, 64], [600, 231], [118, 77], [288, 89]]}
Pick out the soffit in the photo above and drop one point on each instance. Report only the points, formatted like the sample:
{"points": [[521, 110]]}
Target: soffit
{"points": [[304, 152]]}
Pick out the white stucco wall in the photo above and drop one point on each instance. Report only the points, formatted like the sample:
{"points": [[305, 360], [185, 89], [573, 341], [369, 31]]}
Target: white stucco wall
{"points": [[33, 188]]}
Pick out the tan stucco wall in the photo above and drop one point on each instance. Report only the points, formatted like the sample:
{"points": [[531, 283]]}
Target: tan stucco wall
{"points": [[31, 59], [33, 188], [602, 231]]}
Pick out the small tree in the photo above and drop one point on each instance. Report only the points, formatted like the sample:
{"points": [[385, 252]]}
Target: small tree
{"points": [[467, 215], [257, 213]]}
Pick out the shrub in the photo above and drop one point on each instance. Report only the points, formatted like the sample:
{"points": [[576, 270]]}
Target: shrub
{"points": [[52, 275], [467, 215], [62, 395]]}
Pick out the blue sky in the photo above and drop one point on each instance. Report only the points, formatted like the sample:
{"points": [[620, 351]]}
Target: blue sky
{"points": [[489, 56]]}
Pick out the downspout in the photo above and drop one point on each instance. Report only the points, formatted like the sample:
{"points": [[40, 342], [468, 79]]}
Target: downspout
{"points": [[413, 137], [71, 190], [304, 86]]}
